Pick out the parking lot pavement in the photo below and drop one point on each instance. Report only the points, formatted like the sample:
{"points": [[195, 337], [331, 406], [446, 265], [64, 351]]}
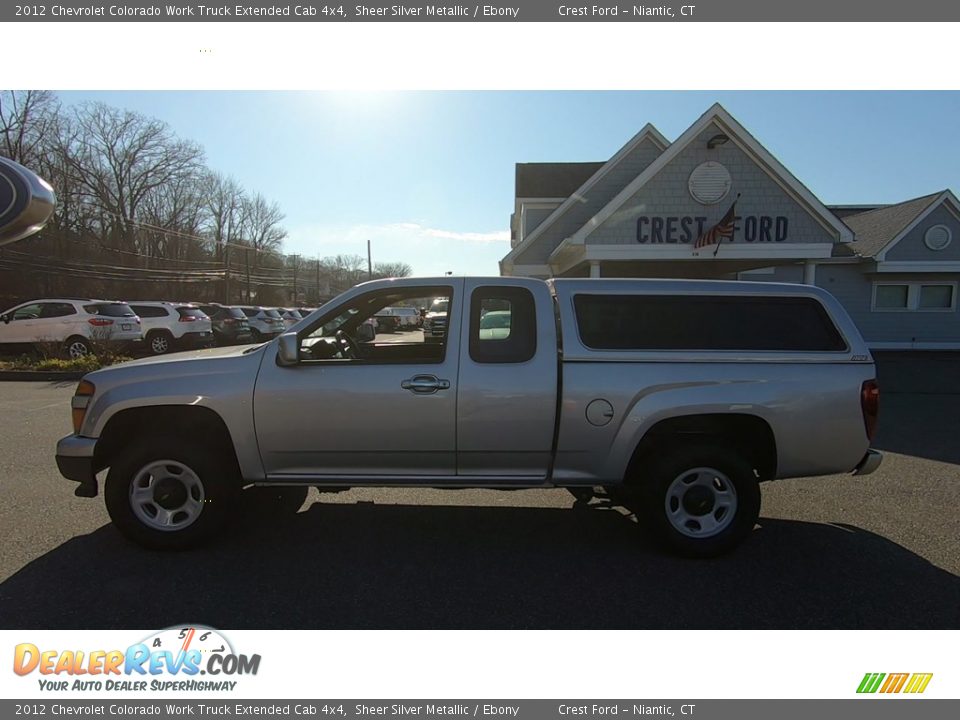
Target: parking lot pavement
{"points": [[836, 552]]}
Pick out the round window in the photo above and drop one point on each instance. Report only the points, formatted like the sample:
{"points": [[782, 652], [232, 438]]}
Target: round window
{"points": [[709, 183], [937, 237]]}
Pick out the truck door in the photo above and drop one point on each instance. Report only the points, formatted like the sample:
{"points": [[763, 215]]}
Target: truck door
{"points": [[507, 392], [377, 410]]}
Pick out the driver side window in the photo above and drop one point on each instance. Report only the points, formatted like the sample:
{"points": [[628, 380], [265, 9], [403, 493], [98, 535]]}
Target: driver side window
{"points": [[368, 329], [28, 312]]}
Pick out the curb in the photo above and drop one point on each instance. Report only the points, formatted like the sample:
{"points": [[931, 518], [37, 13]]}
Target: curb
{"points": [[34, 375]]}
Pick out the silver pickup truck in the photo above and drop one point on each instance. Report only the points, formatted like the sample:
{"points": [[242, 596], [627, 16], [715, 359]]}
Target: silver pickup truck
{"points": [[677, 398]]}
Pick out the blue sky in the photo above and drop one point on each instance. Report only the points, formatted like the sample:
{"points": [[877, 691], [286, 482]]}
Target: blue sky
{"points": [[428, 176]]}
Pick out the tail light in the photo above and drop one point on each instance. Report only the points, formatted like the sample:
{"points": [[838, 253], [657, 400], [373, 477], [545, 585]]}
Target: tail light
{"points": [[188, 318], [78, 405], [100, 321], [229, 321], [870, 406]]}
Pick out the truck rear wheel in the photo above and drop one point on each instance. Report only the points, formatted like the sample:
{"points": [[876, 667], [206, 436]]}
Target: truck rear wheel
{"points": [[698, 500], [169, 493]]}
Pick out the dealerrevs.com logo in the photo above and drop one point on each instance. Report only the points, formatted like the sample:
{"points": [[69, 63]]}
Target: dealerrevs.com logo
{"points": [[911, 683], [172, 659]]}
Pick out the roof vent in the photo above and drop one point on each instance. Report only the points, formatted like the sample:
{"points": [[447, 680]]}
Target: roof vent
{"points": [[937, 237], [709, 183]]}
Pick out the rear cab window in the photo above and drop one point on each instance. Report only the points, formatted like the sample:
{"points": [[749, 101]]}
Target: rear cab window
{"points": [[705, 323], [503, 325]]}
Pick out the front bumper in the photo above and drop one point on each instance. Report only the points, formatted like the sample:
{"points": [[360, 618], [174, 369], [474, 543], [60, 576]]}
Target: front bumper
{"points": [[75, 462], [871, 461]]}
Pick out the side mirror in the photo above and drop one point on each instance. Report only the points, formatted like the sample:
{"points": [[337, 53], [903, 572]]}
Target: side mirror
{"points": [[6, 318], [288, 349], [26, 202]]}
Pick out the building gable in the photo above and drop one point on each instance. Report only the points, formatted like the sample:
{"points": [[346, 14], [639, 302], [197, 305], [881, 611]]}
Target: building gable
{"points": [[590, 197], [664, 211], [692, 145], [921, 241]]}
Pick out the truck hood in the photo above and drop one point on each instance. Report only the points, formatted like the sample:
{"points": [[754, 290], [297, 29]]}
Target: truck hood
{"points": [[214, 361], [190, 356]]}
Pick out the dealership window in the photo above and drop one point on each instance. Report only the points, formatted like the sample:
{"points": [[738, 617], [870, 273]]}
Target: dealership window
{"points": [[914, 296]]}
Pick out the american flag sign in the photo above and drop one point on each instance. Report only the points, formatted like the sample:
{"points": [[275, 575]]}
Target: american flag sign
{"points": [[723, 229]]}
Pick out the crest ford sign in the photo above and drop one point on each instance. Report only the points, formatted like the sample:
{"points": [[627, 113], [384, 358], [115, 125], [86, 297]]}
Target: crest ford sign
{"points": [[687, 228]]}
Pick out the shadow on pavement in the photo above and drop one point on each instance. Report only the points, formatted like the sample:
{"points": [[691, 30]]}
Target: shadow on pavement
{"points": [[396, 566]]}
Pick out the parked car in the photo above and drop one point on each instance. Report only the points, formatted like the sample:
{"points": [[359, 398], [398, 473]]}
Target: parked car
{"points": [[435, 321], [495, 325], [291, 316], [230, 325], [386, 322], [408, 318], [72, 325], [265, 323], [678, 398], [173, 326]]}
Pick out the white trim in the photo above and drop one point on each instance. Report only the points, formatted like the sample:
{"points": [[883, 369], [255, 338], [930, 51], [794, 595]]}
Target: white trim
{"points": [[918, 266], [913, 345], [913, 296], [647, 132], [717, 114], [771, 270], [520, 200], [946, 197], [526, 271], [568, 256]]}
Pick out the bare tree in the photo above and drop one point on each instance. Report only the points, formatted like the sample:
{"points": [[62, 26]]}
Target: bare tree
{"points": [[392, 270], [121, 156], [222, 204], [26, 120], [262, 228]]}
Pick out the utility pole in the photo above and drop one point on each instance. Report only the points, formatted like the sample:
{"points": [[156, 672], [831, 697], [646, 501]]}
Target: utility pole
{"points": [[226, 275], [318, 282], [246, 258], [369, 263], [296, 261]]}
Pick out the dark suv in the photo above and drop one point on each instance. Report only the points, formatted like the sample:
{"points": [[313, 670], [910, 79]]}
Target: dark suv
{"points": [[230, 325]]}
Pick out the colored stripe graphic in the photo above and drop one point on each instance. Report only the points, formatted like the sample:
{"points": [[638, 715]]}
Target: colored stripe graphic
{"points": [[870, 682], [894, 683], [918, 682]]}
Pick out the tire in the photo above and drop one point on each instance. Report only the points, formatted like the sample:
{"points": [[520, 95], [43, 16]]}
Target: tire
{"points": [[193, 491], [159, 342], [76, 347], [698, 500]]}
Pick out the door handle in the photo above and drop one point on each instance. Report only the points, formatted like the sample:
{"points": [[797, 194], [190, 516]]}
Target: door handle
{"points": [[425, 384]]}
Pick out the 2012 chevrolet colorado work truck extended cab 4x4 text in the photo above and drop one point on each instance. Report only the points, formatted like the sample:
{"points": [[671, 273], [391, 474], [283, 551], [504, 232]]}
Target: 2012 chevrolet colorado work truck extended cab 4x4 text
{"points": [[679, 397]]}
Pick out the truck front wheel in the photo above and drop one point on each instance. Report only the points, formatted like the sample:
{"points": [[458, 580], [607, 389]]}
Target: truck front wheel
{"points": [[169, 493], [700, 500]]}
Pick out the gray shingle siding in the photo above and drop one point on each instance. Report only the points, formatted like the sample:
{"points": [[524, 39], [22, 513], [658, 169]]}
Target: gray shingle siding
{"points": [[533, 217], [912, 248], [854, 289], [667, 194], [597, 198]]}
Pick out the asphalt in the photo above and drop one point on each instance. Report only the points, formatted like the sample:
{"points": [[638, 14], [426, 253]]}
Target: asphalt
{"points": [[879, 551]]}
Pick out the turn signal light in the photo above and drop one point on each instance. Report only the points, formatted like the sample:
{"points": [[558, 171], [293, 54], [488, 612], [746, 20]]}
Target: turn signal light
{"points": [[81, 398]]}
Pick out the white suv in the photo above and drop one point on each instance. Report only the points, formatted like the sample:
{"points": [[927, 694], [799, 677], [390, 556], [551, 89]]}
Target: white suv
{"points": [[173, 326], [265, 324], [73, 324]]}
